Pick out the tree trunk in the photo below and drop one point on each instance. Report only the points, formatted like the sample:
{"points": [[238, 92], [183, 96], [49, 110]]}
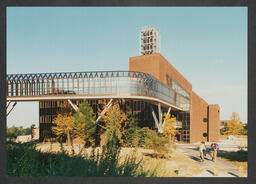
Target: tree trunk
{"points": [[69, 138], [170, 139]]}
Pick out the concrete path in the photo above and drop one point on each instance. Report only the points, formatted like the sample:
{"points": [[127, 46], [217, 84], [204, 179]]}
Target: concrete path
{"points": [[224, 168]]}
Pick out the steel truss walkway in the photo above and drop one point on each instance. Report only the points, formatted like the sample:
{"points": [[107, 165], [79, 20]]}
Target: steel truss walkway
{"points": [[93, 85]]}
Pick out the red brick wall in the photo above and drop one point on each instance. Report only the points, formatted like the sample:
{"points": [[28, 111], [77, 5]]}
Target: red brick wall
{"points": [[198, 118], [157, 66], [214, 123]]}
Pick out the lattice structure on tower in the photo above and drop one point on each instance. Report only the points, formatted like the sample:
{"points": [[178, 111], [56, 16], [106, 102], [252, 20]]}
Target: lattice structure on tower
{"points": [[149, 41]]}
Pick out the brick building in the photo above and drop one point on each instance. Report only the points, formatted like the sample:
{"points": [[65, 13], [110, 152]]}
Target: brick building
{"points": [[204, 117], [150, 88]]}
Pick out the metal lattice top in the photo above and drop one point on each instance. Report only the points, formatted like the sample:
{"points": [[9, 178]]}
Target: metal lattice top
{"points": [[93, 74]]}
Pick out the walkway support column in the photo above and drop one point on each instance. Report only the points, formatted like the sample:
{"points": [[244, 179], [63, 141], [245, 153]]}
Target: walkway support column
{"points": [[8, 104], [155, 118], [104, 110], [11, 108], [159, 123], [73, 105]]}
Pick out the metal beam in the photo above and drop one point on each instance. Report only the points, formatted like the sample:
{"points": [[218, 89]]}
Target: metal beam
{"points": [[8, 104], [73, 105], [104, 110], [11, 108], [160, 115], [155, 118]]}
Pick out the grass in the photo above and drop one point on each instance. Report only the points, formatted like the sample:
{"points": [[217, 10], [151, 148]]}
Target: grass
{"points": [[24, 160], [176, 164], [238, 158]]}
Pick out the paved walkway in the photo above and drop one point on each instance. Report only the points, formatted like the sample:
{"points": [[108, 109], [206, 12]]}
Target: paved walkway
{"points": [[224, 168]]}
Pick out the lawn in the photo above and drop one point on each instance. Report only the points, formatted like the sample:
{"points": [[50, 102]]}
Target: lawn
{"points": [[238, 158]]}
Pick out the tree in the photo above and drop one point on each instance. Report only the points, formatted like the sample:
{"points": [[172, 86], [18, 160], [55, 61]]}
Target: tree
{"points": [[234, 126], [114, 120], [131, 134], [169, 126], [64, 126], [245, 130], [32, 127], [85, 123], [13, 132], [115, 123]]}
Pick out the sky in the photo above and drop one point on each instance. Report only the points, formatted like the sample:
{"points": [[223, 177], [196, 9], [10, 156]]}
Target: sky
{"points": [[207, 45]]}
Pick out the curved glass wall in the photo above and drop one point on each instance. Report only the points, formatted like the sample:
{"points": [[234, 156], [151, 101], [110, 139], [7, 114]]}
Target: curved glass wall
{"points": [[122, 83]]}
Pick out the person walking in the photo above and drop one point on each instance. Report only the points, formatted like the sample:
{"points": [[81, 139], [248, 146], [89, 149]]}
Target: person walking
{"points": [[202, 151], [214, 151]]}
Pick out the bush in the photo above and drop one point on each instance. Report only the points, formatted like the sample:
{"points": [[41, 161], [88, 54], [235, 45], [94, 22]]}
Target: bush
{"points": [[156, 141], [13, 132]]}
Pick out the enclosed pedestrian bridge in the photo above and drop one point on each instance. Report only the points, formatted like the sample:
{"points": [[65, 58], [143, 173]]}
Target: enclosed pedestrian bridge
{"points": [[95, 85]]}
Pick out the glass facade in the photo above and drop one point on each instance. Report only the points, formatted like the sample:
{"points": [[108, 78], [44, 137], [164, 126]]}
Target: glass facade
{"points": [[125, 85], [142, 110]]}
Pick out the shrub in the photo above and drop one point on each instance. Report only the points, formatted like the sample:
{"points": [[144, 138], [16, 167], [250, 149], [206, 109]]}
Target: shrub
{"points": [[156, 141]]}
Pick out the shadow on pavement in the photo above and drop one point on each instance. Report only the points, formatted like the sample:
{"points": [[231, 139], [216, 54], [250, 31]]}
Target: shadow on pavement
{"points": [[195, 158], [198, 159], [232, 174], [210, 172]]}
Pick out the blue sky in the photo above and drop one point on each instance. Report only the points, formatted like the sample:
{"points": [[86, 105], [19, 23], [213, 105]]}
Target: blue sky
{"points": [[208, 45]]}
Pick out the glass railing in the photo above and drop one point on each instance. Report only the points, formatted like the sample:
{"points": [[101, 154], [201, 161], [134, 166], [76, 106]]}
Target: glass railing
{"points": [[121, 83]]}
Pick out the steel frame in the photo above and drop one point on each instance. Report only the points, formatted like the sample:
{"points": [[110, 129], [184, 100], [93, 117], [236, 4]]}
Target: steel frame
{"points": [[91, 84]]}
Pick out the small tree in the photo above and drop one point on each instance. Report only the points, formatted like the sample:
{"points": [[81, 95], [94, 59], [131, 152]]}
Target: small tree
{"points": [[245, 130], [234, 126], [85, 123], [115, 122], [64, 126], [131, 133], [156, 141], [169, 127], [32, 127]]}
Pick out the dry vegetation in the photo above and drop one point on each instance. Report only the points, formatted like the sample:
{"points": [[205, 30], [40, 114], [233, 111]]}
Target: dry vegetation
{"points": [[176, 165]]}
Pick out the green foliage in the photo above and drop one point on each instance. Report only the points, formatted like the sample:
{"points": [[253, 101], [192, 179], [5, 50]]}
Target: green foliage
{"points": [[234, 126], [85, 123], [131, 134], [169, 127], [24, 160], [238, 156], [64, 126], [14, 131], [115, 122], [245, 130], [222, 131], [156, 141]]}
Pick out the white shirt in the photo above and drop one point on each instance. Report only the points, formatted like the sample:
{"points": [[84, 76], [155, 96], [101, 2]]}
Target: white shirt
{"points": [[202, 147]]}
